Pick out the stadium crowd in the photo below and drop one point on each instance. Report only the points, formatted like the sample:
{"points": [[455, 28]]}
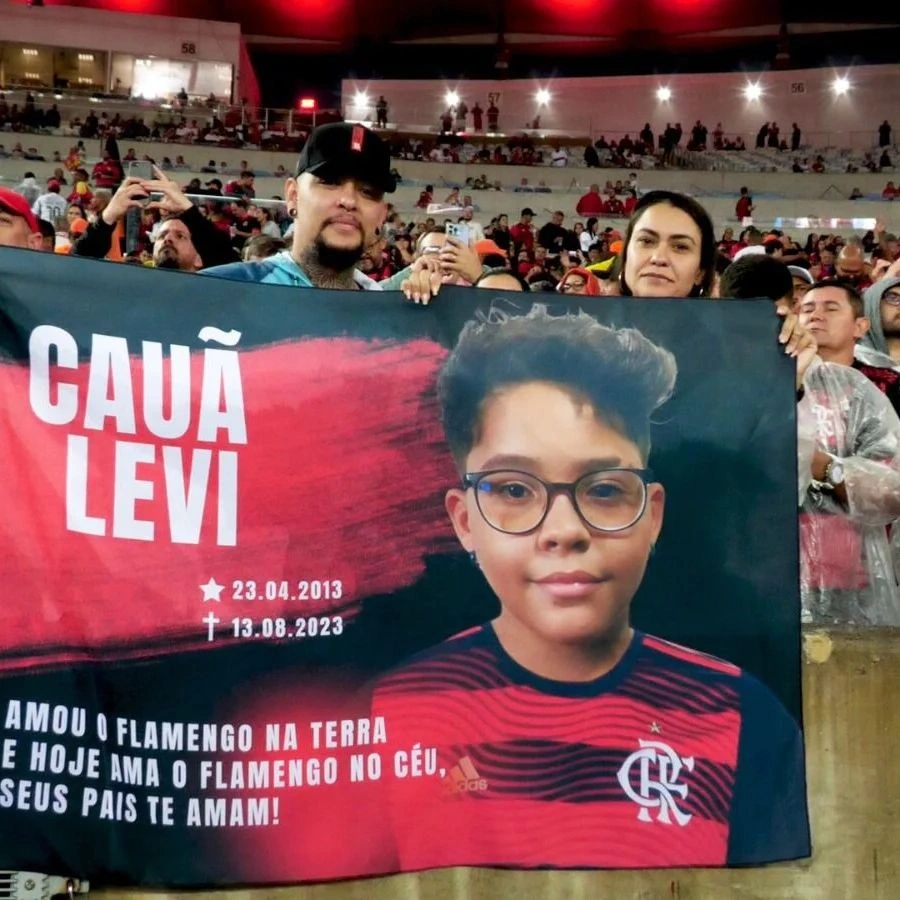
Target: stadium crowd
{"points": [[839, 297], [461, 136]]}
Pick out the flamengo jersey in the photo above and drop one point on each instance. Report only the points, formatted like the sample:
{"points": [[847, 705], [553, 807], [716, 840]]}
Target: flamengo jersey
{"points": [[673, 758]]}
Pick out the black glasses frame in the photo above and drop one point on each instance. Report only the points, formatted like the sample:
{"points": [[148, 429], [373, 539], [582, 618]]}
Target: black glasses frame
{"points": [[553, 489]]}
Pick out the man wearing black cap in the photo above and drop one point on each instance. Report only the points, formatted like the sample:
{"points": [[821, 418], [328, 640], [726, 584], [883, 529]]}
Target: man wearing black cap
{"points": [[337, 203]]}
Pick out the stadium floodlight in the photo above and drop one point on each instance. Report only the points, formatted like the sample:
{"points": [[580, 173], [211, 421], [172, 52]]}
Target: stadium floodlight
{"points": [[840, 85], [361, 100], [451, 98], [663, 94], [752, 90], [542, 97]]}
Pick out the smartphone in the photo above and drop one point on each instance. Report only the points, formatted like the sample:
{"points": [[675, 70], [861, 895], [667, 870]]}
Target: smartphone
{"points": [[142, 170], [132, 231], [459, 230]]}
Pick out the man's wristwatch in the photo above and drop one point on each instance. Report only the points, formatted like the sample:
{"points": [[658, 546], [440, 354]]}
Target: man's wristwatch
{"points": [[834, 473]]}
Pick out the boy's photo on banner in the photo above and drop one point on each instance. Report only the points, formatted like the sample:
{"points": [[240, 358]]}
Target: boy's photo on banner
{"points": [[565, 737], [324, 586]]}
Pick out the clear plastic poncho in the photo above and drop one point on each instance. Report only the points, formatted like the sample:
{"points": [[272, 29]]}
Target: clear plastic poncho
{"points": [[847, 574]]}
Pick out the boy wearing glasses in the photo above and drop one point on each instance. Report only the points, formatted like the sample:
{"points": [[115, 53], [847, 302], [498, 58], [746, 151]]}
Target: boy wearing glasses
{"points": [[566, 738]]}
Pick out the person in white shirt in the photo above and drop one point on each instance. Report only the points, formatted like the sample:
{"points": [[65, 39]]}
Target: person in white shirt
{"points": [[560, 157], [589, 236], [50, 206]]}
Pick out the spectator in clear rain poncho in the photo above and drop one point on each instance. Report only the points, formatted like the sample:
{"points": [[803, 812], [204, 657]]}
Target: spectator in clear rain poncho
{"points": [[849, 443], [849, 455]]}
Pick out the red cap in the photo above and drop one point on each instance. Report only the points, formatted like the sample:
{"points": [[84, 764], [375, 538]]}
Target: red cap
{"points": [[17, 205]]}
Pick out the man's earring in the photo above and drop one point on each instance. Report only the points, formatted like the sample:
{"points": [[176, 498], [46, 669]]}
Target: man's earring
{"points": [[474, 559], [292, 212]]}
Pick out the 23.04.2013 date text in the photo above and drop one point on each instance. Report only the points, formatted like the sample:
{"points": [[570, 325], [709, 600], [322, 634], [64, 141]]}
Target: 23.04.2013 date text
{"points": [[311, 589]]}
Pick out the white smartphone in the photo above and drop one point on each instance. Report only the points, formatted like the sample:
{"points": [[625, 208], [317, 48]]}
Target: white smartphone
{"points": [[459, 230]]}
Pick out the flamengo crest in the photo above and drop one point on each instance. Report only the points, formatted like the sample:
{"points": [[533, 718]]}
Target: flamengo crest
{"points": [[658, 769]]}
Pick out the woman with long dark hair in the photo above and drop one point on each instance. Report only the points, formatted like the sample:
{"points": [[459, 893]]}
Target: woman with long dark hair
{"points": [[669, 248]]}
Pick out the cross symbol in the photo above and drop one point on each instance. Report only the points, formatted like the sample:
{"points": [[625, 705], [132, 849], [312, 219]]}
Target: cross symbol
{"points": [[211, 621]]}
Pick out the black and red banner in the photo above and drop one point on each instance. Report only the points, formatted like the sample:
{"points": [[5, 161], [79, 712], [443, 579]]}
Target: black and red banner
{"points": [[240, 641]]}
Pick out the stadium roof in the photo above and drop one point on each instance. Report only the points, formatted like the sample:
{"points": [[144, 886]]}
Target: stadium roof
{"points": [[530, 27]]}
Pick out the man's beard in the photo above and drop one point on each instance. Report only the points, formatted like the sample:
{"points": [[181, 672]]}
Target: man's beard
{"points": [[336, 259], [167, 259]]}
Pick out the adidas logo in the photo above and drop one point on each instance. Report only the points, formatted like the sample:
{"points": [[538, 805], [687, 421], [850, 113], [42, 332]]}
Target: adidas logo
{"points": [[464, 778]]}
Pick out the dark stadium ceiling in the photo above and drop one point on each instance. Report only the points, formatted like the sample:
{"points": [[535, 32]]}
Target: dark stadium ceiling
{"points": [[531, 27]]}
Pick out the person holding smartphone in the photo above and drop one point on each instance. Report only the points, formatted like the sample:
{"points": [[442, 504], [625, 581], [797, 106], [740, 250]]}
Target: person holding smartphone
{"points": [[187, 240]]}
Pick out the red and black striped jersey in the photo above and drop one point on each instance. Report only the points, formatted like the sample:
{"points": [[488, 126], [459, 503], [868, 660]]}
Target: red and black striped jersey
{"points": [[673, 758]]}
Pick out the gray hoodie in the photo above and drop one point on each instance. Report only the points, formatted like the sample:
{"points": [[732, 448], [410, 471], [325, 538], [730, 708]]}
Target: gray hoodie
{"points": [[875, 339]]}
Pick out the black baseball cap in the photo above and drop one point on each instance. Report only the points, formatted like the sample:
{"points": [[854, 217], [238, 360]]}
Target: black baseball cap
{"points": [[345, 149]]}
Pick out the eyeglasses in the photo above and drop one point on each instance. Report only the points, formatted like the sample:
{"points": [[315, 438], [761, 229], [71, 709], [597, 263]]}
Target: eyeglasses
{"points": [[892, 298], [573, 287], [515, 502]]}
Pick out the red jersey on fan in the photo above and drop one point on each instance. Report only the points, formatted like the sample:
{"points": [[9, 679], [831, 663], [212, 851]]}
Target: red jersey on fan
{"points": [[522, 236]]}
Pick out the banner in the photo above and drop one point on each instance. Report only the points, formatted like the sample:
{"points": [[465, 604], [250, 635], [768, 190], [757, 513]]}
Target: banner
{"points": [[306, 585]]}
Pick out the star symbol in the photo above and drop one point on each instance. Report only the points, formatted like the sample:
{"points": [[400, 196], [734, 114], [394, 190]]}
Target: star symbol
{"points": [[212, 591], [655, 728]]}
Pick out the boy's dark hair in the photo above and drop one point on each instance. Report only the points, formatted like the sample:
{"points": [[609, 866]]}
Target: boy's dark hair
{"points": [[755, 276], [619, 372], [853, 296]]}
